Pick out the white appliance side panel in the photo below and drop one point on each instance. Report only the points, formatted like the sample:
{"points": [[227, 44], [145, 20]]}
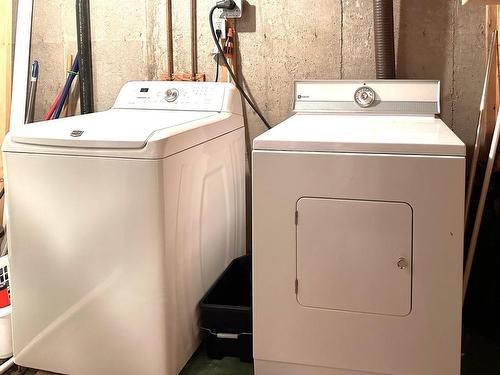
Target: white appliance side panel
{"points": [[354, 255], [87, 252], [205, 206], [427, 341]]}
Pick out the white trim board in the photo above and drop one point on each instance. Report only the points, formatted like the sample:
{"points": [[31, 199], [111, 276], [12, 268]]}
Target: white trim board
{"points": [[21, 63]]}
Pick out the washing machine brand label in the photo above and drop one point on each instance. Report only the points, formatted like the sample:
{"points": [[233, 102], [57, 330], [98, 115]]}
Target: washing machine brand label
{"points": [[76, 133], [302, 96]]}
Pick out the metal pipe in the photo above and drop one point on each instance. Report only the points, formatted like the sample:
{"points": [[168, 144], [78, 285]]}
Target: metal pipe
{"points": [[194, 45], [383, 20], [170, 42], [85, 56]]}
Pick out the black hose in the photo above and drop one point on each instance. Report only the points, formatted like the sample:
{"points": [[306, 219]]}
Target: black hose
{"points": [[383, 20], [219, 33], [85, 55]]}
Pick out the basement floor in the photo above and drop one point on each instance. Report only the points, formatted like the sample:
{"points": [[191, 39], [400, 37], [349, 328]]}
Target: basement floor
{"points": [[483, 358]]}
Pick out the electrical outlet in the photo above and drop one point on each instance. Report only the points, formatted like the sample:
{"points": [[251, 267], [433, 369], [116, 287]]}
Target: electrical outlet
{"points": [[219, 23], [235, 12]]}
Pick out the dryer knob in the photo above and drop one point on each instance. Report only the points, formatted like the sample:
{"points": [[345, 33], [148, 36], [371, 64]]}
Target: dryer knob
{"points": [[364, 96]]}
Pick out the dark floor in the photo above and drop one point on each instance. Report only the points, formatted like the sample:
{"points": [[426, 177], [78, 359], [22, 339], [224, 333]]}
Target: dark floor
{"points": [[200, 364], [482, 357]]}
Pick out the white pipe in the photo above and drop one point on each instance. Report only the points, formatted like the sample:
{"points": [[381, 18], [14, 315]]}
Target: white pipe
{"points": [[6, 365]]}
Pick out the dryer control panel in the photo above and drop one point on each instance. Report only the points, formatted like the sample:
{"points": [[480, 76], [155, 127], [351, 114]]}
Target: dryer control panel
{"points": [[173, 95], [386, 97]]}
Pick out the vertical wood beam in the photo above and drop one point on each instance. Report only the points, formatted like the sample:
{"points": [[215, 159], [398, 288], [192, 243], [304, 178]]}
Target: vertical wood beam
{"points": [[5, 69], [5, 77]]}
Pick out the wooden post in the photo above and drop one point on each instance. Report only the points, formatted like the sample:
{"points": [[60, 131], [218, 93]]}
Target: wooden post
{"points": [[234, 65], [5, 76], [224, 75], [5, 64]]}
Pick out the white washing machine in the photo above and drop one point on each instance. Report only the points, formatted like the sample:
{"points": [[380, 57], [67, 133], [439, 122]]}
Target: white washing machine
{"points": [[358, 221], [119, 222]]}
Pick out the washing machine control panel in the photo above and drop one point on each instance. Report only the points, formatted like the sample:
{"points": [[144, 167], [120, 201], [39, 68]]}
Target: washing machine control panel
{"points": [[171, 95], [182, 96]]}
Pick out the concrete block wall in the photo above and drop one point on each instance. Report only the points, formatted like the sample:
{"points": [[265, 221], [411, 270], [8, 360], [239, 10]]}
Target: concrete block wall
{"points": [[279, 41]]}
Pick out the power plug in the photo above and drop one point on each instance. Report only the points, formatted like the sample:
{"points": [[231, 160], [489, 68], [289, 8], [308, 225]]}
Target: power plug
{"points": [[219, 23], [236, 12]]}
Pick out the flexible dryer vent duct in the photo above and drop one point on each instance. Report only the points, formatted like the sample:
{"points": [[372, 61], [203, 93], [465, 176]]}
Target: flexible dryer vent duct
{"points": [[383, 19]]}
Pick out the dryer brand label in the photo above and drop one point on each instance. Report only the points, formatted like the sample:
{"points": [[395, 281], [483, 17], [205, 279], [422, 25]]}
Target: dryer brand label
{"points": [[76, 133]]}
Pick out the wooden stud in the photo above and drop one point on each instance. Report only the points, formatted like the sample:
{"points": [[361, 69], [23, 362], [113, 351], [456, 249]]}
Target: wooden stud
{"points": [[223, 73], [232, 24], [5, 64], [5, 76]]}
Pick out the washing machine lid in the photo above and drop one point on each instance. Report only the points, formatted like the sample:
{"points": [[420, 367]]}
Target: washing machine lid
{"points": [[113, 129], [362, 133]]}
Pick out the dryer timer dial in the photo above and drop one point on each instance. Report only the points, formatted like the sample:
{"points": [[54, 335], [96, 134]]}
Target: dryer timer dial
{"points": [[364, 96]]}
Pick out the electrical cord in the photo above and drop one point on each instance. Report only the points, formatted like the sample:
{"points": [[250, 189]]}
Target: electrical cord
{"points": [[219, 33], [229, 4]]}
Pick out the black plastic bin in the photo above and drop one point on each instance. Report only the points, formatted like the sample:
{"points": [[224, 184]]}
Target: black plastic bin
{"points": [[226, 313]]}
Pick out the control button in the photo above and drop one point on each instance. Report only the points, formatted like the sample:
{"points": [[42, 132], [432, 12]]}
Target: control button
{"points": [[171, 95], [364, 96]]}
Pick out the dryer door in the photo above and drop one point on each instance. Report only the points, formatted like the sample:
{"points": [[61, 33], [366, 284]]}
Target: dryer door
{"points": [[354, 255]]}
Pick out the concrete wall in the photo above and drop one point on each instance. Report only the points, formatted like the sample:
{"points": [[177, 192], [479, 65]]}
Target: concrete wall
{"points": [[279, 41]]}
